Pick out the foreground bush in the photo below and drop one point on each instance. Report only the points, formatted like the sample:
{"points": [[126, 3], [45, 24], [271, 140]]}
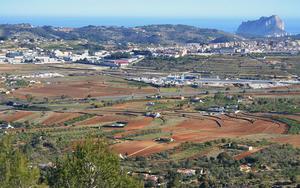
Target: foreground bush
{"points": [[15, 170], [91, 165]]}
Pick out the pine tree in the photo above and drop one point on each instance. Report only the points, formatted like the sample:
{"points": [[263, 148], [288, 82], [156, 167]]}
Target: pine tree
{"points": [[15, 170], [92, 164]]}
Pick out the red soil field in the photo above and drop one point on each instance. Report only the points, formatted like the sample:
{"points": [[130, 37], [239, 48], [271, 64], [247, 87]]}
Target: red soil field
{"points": [[291, 139], [208, 129], [103, 119], [59, 118], [78, 90], [129, 105], [142, 148], [18, 115], [194, 124], [138, 124], [134, 126], [197, 130]]}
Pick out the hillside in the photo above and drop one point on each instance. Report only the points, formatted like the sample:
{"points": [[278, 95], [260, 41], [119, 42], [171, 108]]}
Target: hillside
{"points": [[152, 34]]}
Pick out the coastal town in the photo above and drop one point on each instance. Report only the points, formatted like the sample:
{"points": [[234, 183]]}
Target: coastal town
{"points": [[38, 55]]}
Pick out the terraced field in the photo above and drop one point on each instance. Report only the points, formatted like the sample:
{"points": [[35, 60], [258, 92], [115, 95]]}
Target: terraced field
{"points": [[197, 130]]}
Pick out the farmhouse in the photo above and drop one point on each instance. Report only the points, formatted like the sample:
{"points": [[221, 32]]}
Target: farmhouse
{"points": [[116, 125], [245, 168], [196, 100], [150, 177], [216, 109], [238, 146], [245, 147], [187, 172], [153, 115], [232, 108], [150, 104], [164, 140], [147, 176], [17, 104], [118, 62], [154, 97], [6, 126]]}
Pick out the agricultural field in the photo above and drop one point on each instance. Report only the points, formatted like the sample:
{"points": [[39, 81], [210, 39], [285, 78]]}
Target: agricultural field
{"points": [[228, 66], [148, 127]]}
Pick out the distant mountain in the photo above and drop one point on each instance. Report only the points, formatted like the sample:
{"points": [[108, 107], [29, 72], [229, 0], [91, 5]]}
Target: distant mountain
{"points": [[152, 34], [271, 26]]}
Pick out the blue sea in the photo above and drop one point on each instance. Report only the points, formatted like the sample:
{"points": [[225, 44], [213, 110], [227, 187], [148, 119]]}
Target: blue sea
{"points": [[228, 25]]}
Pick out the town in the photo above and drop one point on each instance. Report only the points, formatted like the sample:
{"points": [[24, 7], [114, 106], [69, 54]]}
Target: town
{"points": [[37, 55]]}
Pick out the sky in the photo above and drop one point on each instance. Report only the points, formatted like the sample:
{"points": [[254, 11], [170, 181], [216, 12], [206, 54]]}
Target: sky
{"points": [[150, 8]]}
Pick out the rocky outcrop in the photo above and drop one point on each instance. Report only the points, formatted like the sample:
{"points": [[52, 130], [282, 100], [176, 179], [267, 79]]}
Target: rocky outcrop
{"points": [[271, 26]]}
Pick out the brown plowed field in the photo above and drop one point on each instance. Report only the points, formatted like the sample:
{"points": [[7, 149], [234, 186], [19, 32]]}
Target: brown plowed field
{"points": [[231, 127], [134, 126], [142, 148], [133, 123], [59, 118], [15, 116], [291, 139], [79, 90], [138, 124], [129, 106], [197, 130]]}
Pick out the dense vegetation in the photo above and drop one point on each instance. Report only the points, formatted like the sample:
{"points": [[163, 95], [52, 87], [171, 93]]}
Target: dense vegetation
{"points": [[219, 99], [15, 170], [119, 55], [17, 83], [294, 126], [78, 119], [91, 164], [279, 105], [275, 165]]}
